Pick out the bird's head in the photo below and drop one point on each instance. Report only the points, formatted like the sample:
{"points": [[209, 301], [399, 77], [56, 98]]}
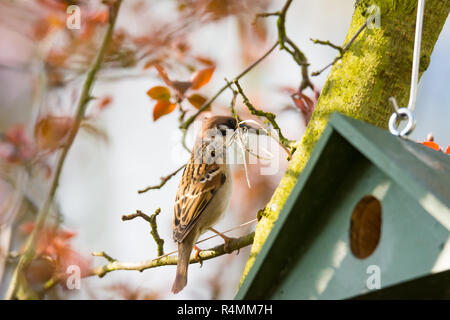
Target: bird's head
{"points": [[222, 124], [218, 132]]}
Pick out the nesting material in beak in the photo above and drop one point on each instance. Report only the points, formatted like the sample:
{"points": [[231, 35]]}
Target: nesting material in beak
{"points": [[259, 130]]}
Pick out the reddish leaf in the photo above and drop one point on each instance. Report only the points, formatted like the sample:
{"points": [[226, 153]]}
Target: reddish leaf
{"points": [[163, 74], [7, 151], [159, 93], [197, 100], [149, 64], [447, 151], [51, 132], [104, 102], [181, 86], [87, 30], [202, 77], [305, 104], [40, 270], [162, 108], [55, 21], [16, 135], [101, 16], [54, 243], [299, 103], [53, 4], [16, 146], [432, 145], [289, 90], [316, 94], [308, 101], [205, 61], [57, 58]]}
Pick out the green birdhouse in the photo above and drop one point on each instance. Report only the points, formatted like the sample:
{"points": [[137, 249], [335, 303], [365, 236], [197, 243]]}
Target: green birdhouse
{"points": [[368, 218]]}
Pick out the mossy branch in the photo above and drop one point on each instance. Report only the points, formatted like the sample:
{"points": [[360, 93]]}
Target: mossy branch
{"points": [[30, 245], [289, 46], [154, 228], [270, 117]]}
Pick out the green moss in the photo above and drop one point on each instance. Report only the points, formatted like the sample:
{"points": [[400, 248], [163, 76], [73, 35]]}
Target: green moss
{"points": [[377, 66]]}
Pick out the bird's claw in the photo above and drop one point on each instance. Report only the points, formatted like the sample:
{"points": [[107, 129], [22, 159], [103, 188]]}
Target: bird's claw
{"points": [[197, 256], [225, 239], [226, 245]]}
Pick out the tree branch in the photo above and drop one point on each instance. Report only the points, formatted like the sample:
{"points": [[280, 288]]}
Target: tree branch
{"points": [[30, 246], [268, 115], [233, 101], [104, 255], [163, 180], [328, 43], [154, 232], [234, 244], [298, 56], [185, 125], [341, 50]]}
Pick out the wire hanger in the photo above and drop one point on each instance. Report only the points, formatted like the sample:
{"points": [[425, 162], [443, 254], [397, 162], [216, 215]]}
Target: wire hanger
{"points": [[407, 113]]}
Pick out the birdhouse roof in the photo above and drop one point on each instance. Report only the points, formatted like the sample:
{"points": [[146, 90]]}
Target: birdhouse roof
{"points": [[423, 173], [420, 169]]}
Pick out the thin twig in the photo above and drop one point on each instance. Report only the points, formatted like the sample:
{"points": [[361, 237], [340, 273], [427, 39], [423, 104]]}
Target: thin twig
{"points": [[30, 246], [268, 115], [233, 102], [104, 255], [181, 120], [289, 46], [234, 244], [302, 61], [163, 180], [154, 228], [328, 43], [342, 50], [233, 106], [185, 125]]}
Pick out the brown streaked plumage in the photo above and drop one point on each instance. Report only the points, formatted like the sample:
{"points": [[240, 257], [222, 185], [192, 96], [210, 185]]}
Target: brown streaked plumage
{"points": [[204, 192]]}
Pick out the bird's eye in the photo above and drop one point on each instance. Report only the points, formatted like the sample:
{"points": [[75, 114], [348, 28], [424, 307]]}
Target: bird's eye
{"points": [[223, 130]]}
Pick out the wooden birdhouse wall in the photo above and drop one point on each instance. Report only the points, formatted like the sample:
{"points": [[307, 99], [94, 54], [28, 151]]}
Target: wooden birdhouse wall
{"points": [[327, 269]]}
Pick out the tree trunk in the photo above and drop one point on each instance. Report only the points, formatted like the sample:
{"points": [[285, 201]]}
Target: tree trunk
{"points": [[377, 66]]}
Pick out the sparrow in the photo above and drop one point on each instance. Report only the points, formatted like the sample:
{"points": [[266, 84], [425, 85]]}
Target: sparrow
{"points": [[204, 191]]}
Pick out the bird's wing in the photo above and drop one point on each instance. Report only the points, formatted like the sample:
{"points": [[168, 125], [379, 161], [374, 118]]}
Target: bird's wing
{"points": [[199, 185]]}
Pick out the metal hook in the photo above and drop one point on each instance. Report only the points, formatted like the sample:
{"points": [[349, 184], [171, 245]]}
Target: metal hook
{"points": [[407, 112], [404, 113]]}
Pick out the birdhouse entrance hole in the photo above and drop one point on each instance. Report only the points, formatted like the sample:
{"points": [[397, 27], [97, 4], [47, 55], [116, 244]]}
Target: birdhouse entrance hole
{"points": [[365, 227]]}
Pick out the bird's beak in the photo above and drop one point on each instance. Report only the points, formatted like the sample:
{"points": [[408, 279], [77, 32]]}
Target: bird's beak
{"points": [[244, 125], [252, 129]]}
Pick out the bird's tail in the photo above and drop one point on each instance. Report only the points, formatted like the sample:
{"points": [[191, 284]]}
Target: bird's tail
{"points": [[184, 254]]}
